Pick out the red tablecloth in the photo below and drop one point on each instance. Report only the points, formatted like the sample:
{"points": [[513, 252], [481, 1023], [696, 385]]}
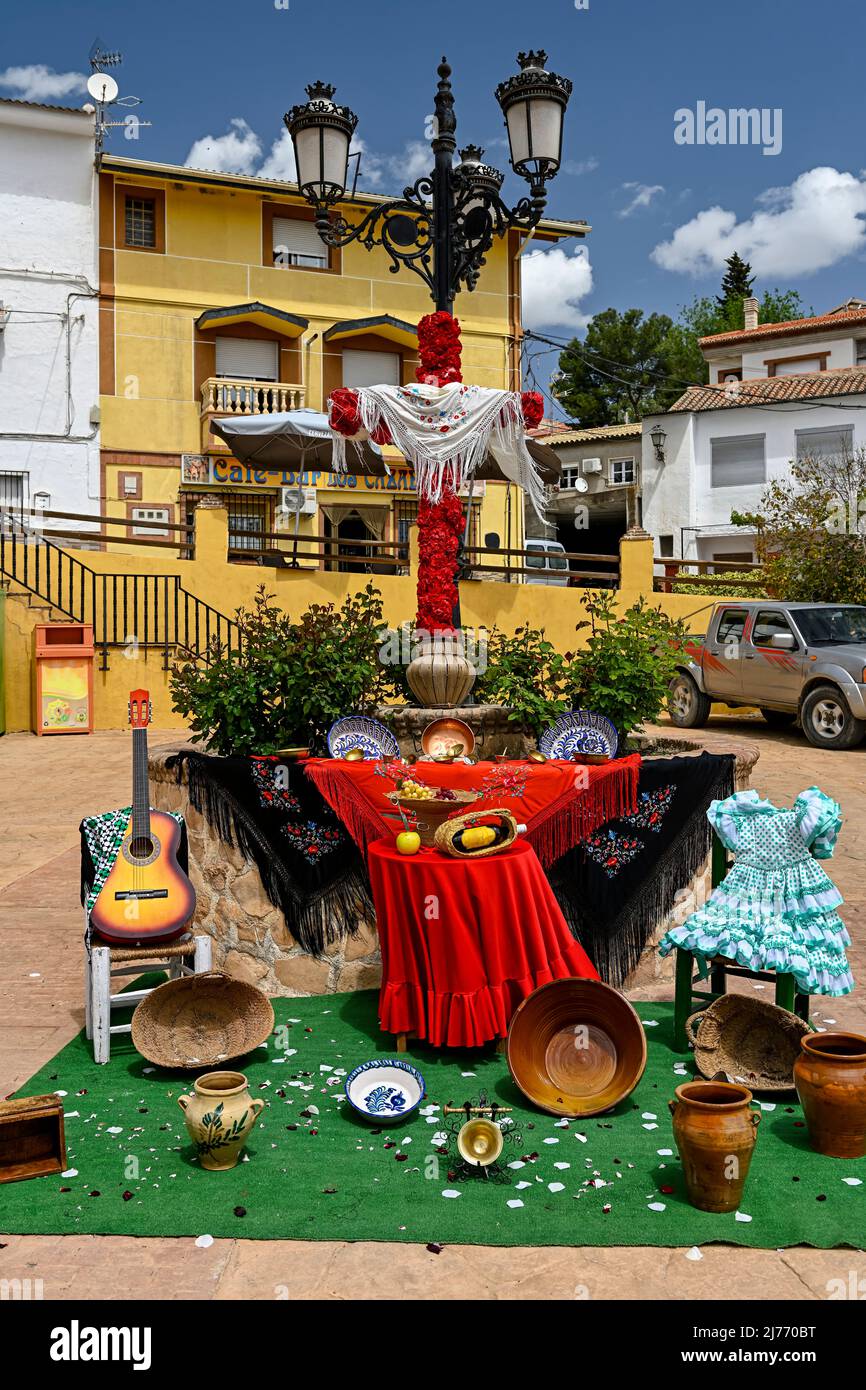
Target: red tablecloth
{"points": [[560, 803], [464, 941]]}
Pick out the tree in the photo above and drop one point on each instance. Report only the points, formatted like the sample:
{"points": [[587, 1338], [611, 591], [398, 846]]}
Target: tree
{"points": [[810, 530], [737, 283], [618, 373]]}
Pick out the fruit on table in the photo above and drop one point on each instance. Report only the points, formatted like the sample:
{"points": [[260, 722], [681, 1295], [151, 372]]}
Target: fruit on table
{"points": [[418, 791], [408, 842], [477, 837]]}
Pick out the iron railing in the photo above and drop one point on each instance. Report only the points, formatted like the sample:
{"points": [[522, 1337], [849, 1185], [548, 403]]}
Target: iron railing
{"points": [[126, 611]]}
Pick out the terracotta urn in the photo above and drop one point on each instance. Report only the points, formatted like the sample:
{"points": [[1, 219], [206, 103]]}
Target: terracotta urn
{"points": [[219, 1116], [715, 1132], [441, 677], [830, 1077]]}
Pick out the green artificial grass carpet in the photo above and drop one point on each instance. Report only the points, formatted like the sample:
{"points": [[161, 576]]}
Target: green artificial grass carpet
{"points": [[316, 1171]]}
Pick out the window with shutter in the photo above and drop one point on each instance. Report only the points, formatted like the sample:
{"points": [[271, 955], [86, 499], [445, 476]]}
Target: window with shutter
{"points": [[248, 359], [297, 243], [831, 445], [738, 460], [370, 368]]}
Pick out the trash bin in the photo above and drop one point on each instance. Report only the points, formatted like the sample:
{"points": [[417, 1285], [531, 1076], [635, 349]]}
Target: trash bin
{"points": [[63, 678]]}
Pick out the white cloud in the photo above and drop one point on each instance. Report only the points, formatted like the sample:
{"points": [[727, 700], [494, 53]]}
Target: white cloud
{"points": [[553, 285], [805, 227], [280, 163], [642, 196], [236, 152], [36, 82], [578, 166]]}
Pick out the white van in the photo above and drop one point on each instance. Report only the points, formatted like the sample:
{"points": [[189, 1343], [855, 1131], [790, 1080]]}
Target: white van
{"points": [[547, 560]]}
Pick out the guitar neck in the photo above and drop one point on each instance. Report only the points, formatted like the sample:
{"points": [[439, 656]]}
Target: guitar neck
{"points": [[140, 789]]}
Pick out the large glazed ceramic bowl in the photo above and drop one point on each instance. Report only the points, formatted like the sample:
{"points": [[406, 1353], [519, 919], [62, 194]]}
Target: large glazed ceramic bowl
{"points": [[576, 1047], [385, 1090]]}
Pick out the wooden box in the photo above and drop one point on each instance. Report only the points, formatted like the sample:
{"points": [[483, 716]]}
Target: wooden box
{"points": [[32, 1142]]}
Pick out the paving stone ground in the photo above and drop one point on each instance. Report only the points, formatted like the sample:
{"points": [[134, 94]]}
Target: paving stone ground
{"points": [[47, 785]]}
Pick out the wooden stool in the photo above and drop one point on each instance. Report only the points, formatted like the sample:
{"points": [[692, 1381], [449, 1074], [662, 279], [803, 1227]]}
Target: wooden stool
{"points": [[106, 962]]}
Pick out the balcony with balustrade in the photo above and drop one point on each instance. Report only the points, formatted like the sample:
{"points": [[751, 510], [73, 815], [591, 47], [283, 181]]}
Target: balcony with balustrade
{"points": [[221, 396]]}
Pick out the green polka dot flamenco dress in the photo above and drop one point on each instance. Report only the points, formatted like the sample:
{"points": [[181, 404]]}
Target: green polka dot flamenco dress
{"points": [[776, 909]]}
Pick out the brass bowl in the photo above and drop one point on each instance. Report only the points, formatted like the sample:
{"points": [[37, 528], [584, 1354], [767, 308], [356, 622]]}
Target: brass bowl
{"points": [[292, 753], [591, 759], [576, 1048], [441, 737]]}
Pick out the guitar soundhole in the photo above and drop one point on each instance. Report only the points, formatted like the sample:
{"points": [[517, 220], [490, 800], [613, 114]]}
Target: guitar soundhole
{"points": [[141, 850]]}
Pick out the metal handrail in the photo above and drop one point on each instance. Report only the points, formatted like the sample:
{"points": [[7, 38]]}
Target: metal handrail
{"points": [[127, 611]]}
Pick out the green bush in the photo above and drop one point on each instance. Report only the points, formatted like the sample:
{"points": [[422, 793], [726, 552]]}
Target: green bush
{"points": [[628, 662], [527, 673], [723, 585], [291, 680]]}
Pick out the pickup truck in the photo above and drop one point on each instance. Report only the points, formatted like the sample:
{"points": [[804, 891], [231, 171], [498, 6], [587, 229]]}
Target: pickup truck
{"points": [[794, 661]]}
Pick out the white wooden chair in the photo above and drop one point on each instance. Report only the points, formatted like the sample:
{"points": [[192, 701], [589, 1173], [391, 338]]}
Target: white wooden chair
{"points": [[105, 962]]}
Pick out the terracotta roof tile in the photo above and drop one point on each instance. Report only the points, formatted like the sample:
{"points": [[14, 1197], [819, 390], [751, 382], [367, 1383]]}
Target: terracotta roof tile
{"points": [[597, 434], [793, 328], [841, 381]]}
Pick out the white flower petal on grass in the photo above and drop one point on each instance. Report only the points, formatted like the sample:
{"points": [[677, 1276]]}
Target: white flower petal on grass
{"points": [[581, 1137], [451, 1192], [203, 1242], [562, 1165], [650, 1022], [665, 1153], [694, 1254], [514, 1202], [741, 1216], [648, 1115], [73, 1173], [657, 1206], [550, 1141], [556, 1187], [519, 1186], [561, 1124], [851, 1182], [767, 1104], [650, 1126], [517, 1163]]}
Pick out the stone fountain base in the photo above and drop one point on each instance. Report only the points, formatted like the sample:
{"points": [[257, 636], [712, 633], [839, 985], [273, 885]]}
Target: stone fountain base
{"points": [[494, 732]]}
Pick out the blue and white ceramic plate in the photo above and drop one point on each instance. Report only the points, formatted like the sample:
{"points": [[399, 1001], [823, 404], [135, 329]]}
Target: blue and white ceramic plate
{"points": [[385, 1090], [581, 731], [359, 731]]}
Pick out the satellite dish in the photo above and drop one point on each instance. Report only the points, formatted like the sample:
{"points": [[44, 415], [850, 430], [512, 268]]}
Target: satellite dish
{"points": [[102, 87], [581, 485]]}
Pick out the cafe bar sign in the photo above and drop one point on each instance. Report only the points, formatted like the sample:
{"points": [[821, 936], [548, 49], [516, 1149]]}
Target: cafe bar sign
{"points": [[206, 470]]}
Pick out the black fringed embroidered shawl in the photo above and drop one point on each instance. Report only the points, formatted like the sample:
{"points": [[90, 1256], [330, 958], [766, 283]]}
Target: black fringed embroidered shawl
{"points": [[622, 880], [310, 867]]}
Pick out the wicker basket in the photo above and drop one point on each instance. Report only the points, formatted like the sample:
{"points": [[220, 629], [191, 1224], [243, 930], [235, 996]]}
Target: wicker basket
{"points": [[444, 837], [753, 1043], [201, 1021]]}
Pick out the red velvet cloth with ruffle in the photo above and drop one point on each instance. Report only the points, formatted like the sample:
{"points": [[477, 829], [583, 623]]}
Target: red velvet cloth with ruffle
{"points": [[464, 941]]}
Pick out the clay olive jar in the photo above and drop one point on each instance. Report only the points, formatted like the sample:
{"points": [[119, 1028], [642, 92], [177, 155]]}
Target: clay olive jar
{"points": [[830, 1077], [441, 676], [715, 1132], [219, 1116]]}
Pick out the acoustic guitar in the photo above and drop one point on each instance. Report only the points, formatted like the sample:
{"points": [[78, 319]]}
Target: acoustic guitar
{"points": [[147, 897]]}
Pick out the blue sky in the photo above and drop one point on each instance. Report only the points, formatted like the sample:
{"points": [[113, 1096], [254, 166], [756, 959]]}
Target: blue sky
{"points": [[663, 214]]}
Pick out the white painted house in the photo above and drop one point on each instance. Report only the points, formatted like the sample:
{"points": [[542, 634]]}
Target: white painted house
{"points": [[49, 348], [777, 392]]}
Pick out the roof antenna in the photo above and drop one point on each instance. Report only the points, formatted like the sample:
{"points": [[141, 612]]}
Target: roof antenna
{"points": [[104, 90]]}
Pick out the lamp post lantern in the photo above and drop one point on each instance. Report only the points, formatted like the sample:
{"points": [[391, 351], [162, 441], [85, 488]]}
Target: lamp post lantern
{"points": [[445, 223]]}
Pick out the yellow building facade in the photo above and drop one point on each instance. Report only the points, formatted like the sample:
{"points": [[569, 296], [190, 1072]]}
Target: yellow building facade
{"points": [[217, 297]]}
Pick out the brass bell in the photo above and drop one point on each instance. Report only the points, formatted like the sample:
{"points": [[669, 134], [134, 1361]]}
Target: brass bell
{"points": [[480, 1142]]}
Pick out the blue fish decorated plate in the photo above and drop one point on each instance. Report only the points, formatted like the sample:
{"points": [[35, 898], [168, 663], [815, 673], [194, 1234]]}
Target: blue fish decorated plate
{"points": [[580, 732], [374, 739], [385, 1090]]}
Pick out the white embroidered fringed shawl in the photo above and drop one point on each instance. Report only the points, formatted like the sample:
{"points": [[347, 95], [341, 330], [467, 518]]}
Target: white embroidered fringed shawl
{"points": [[447, 432]]}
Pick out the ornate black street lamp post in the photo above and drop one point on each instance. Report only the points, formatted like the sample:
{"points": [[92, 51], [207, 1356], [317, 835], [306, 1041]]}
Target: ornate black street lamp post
{"points": [[446, 222]]}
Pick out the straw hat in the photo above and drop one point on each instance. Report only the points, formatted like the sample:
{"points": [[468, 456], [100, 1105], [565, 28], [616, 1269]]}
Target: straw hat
{"points": [[199, 1021], [753, 1043]]}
